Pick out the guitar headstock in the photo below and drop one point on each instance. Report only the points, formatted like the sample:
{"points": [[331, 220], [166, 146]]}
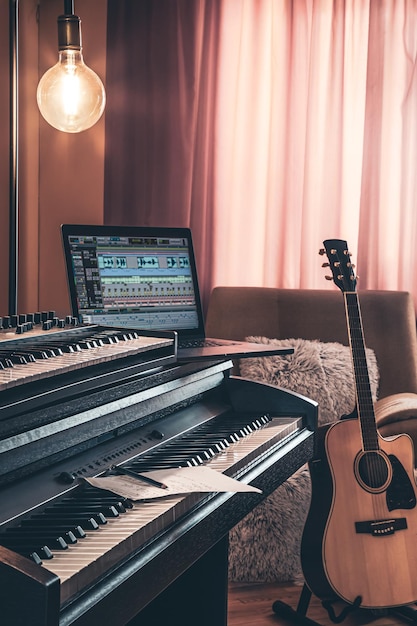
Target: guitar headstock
{"points": [[340, 264]]}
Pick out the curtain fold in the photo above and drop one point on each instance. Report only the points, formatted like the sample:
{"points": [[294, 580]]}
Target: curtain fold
{"points": [[388, 216], [267, 126], [297, 178], [161, 88]]}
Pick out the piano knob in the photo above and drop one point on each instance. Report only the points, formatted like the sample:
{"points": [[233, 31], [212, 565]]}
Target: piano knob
{"points": [[66, 478], [61, 323], [37, 317], [156, 434], [6, 321]]}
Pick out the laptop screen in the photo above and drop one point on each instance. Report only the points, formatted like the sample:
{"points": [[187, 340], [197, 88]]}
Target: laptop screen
{"points": [[133, 277]]}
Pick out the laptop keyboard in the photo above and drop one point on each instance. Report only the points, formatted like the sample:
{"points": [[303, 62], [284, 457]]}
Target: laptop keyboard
{"points": [[199, 343]]}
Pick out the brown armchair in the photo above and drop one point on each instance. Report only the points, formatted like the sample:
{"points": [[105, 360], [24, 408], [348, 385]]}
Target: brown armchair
{"points": [[389, 325]]}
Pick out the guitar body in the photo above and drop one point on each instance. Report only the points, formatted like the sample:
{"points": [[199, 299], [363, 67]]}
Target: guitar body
{"points": [[360, 537]]}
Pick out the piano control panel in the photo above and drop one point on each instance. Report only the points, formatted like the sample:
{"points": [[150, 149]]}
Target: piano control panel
{"points": [[42, 320]]}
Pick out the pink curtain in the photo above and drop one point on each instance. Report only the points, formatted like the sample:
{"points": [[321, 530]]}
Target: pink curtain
{"points": [[268, 126]]}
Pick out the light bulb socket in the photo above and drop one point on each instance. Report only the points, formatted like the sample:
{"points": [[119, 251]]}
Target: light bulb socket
{"points": [[69, 32]]}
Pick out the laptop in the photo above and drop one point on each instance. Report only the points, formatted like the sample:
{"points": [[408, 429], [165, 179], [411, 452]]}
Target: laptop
{"points": [[144, 278]]}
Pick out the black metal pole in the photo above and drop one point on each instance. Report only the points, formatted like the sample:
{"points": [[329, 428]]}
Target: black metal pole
{"points": [[68, 7], [14, 161]]}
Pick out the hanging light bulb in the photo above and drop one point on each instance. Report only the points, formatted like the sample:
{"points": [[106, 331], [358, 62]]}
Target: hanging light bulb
{"points": [[70, 95]]}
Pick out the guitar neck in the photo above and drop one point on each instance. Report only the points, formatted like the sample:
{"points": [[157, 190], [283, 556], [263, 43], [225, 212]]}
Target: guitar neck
{"points": [[365, 405]]}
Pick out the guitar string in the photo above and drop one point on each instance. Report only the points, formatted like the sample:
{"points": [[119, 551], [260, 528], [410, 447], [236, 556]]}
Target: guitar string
{"points": [[366, 415]]}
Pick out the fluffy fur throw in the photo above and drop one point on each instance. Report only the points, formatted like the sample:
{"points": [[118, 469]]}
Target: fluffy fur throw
{"points": [[265, 545], [320, 371]]}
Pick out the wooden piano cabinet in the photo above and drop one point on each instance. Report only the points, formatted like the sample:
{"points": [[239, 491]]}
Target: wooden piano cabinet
{"points": [[169, 571], [32, 592], [198, 596]]}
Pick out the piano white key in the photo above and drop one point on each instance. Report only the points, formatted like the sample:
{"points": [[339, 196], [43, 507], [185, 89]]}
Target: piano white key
{"points": [[83, 562], [44, 368]]}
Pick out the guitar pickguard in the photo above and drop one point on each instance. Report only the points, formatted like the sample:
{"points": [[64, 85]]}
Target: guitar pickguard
{"points": [[400, 493]]}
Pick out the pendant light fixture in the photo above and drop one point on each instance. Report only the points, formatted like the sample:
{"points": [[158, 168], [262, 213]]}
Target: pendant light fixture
{"points": [[70, 95]]}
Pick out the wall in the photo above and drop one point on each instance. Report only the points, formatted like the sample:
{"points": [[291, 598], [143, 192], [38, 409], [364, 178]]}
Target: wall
{"points": [[4, 154], [60, 175], [71, 166]]}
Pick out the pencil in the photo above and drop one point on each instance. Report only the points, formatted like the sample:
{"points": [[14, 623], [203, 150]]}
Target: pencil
{"points": [[146, 479]]}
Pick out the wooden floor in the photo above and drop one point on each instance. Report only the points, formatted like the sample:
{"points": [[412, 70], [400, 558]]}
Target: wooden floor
{"points": [[251, 605]]}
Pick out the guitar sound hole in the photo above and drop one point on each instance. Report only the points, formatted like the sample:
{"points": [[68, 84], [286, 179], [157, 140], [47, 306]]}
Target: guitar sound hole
{"points": [[373, 471]]}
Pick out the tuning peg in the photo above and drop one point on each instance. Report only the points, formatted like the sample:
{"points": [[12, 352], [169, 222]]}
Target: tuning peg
{"points": [[322, 251], [328, 277], [325, 264]]}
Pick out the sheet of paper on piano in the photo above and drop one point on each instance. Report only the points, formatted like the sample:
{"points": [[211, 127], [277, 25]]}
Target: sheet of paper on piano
{"points": [[178, 480]]}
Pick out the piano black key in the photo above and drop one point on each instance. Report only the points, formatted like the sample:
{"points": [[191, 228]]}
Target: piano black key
{"points": [[38, 533], [75, 508], [92, 493], [32, 543], [16, 359], [103, 338], [85, 522], [193, 448], [42, 552], [38, 352], [35, 557], [41, 354], [49, 350], [166, 464], [55, 513], [86, 344], [220, 443], [204, 452], [58, 528], [108, 337], [119, 505], [70, 348]]}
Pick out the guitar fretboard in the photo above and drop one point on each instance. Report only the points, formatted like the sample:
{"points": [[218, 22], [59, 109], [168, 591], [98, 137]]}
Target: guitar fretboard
{"points": [[365, 405]]}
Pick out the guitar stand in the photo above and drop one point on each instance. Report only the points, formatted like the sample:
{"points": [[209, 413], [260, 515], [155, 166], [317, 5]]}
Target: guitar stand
{"points": [[406, 612], [299, 615]]}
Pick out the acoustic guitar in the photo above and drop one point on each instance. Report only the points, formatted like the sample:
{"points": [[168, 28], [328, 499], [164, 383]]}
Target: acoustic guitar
{"points": [[359, 542]]}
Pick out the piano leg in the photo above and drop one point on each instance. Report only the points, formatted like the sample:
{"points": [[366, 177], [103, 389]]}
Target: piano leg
{"points": [[198, 596]]}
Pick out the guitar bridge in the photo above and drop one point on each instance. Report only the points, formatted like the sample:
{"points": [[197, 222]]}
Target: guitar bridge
{"points": [[381, 527]]}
